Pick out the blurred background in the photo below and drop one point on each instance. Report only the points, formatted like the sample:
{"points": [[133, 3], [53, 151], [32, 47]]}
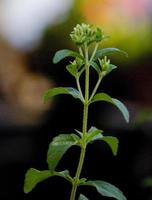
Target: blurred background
{"points": [[31, 32]]}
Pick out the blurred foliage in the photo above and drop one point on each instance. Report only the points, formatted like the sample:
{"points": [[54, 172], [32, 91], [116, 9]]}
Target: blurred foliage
{"points": [[143, 116], [148, 182], [129, 30]]}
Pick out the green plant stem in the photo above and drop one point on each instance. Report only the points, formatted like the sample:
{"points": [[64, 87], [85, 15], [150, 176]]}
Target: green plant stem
{"points": [[94, 52], [79, 88], [76, 180], [84, 129], [95, 88]]}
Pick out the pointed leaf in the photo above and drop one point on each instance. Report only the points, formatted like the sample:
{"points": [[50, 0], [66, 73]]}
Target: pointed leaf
{"points": [[122, 108], [72, 69], [116, 102], [112, 142], [64, 174], [94, 134], [61, 54], [95, 66], [33, 177], [61, 90], [82, 197], [103, 52], [110, 68], [82, 181], [58, 147], [107, 189]]}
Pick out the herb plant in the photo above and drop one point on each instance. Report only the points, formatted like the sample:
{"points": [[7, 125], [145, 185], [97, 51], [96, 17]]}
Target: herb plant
{"points": [[87, 38]]}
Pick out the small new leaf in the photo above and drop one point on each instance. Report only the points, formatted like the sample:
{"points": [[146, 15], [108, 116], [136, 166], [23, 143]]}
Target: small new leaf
{"points": [[58, 147], [33, 177], [61, 54], [72, 69], [94, 134], [82, 197], [107, 189], [61, 90], [116, 102], [106, 51]]}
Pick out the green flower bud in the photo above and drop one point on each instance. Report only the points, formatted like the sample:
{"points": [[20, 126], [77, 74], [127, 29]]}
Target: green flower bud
{"points": [[104, 63], [86, 33]]}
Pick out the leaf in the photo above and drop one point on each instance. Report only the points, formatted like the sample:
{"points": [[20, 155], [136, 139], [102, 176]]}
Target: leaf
{"points": [[122, 108], [95, 66], [61, 90], [82, 181], [94, 134], [110, 68], [72, 69], [103, 52], [58, 147], [82, 197], [64, 174], [107, 189], [116, 102], [112, 142], [61, 54], [33, 177]]}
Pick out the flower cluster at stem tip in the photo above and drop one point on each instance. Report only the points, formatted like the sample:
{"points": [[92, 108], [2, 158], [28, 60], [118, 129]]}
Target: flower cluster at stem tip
{"points": [[86, 34]]}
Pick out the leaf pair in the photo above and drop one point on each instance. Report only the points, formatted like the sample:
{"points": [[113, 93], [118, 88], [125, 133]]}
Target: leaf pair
{"points": [[98, 97], [64, 53]]}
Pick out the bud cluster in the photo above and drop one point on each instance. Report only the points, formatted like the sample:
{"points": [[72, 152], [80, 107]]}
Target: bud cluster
{"points": [[86, 34]]}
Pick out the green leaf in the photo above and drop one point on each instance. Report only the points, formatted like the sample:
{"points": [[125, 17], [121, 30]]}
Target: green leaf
{"points": [[82, 197], [107, 189], [58, 147], [33, 177], [72, 69], [103, 52], [64, 174], [110, 68], [95, 66], [82, 181], [61, 54], [94, 134], [61, 90], [116, 102], [112, 142]]}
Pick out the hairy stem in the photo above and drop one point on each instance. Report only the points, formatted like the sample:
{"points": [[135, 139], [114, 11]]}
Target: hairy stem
{"points": [[84, 129]]}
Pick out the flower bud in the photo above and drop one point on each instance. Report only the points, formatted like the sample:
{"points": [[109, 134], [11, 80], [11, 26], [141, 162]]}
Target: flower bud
{"points": [[86, 33]]}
